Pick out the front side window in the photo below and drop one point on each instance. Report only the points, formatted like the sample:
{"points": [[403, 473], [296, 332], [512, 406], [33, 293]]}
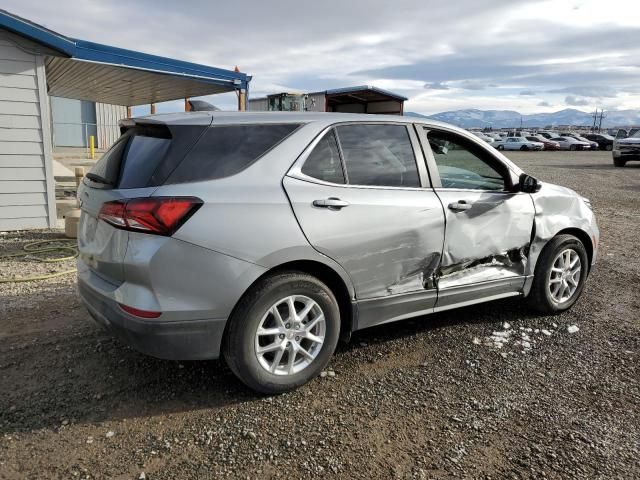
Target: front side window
{"points": [[378, 155], [462, 164], [324, 162]]}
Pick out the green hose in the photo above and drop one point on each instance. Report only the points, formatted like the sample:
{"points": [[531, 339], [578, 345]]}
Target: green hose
{"points": [[34, 249]]}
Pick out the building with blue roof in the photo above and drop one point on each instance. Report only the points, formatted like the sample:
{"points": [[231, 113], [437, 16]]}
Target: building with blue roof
{"points": [[58, 90]]}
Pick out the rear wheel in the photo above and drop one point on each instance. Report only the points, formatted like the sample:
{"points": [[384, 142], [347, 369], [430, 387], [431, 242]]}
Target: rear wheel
{"points": [[608, 148], [283, 332], [619, 162], [560, 274], [572, 147], [524, 148]]}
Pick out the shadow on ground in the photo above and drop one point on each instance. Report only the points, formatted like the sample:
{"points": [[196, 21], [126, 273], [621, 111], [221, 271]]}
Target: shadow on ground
{"points": [[80, 374]]}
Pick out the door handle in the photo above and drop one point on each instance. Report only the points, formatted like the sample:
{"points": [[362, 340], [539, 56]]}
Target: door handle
{"points": [[332, 203], [460, 206]]}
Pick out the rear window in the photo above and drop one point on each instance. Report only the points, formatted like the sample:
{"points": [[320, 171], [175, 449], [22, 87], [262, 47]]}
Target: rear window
{"points": [[226, 150], [145, 155]]}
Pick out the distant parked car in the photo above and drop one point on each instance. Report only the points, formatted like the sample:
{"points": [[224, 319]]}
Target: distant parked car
{"points": [[484, 137], [547, 134], [518, 143], [592, 145], [548, 144], [604, 141], [570, 143], [626, 149]]}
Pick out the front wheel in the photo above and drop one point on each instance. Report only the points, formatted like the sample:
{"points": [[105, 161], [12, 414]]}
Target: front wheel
{"points": [[282, 333], [524, 148], [560, 274], [618, 162], [572, 147], [500, 147]]}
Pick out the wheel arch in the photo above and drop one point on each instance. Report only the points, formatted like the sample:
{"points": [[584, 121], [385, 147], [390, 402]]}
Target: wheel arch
{"points": [[583, 237], [327, 275]]}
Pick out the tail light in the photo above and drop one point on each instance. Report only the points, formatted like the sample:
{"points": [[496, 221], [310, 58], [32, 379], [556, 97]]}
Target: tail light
{"points": [[136, 312], [156, 215]]}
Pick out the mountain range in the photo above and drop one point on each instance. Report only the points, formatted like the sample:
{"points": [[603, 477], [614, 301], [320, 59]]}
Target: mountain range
{"points": [[509, 118]]}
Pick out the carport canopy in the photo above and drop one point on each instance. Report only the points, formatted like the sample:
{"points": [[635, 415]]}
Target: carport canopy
{"points": [[101, 73]]}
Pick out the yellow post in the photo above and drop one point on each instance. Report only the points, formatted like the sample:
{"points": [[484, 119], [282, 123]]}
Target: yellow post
{"points": [[92, 147]]}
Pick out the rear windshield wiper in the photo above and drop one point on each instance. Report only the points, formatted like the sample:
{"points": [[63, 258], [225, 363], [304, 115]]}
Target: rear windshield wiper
{"points": [[98, 179]]}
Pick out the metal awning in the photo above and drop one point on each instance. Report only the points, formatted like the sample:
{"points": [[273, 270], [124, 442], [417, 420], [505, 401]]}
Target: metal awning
{"points": [[90, 71]]}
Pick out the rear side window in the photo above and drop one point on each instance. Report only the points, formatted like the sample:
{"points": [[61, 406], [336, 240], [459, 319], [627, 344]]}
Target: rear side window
{"points": [[226, 150], [378, 155], [324, 161], [144, 155]]}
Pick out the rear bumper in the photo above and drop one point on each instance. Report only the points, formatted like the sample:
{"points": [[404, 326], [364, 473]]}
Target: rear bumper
{"points": [[172, 340]]}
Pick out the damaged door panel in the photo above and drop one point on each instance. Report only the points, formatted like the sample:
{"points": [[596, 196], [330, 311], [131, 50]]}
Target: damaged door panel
{"points": [[388, 240], [489, 242], [488, 223]]}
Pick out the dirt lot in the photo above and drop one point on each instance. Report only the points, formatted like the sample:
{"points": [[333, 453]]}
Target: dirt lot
{"points": [[418, 399]]}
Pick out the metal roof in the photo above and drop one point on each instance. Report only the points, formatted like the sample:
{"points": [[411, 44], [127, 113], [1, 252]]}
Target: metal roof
{"points": [[92, 71], [363, 88]]}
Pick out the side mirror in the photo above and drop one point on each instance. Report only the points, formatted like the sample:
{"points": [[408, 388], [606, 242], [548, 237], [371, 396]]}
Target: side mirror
{"points": [[528, 184]]}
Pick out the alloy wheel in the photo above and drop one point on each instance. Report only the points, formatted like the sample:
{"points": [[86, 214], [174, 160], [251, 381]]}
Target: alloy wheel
{"points": [[564, 277], [290, 335]]}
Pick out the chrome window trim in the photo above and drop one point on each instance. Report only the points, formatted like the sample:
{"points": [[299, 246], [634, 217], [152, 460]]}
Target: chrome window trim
{"points": [[296, 169]]}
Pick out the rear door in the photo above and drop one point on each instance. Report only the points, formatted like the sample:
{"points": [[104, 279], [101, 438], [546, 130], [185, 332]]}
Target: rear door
{"points": [[362, 199], [139, 161], [489, 226]]}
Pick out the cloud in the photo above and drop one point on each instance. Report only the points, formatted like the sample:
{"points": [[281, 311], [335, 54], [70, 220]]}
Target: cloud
{"points": [[472, 85], [592, 91], [489, 55], [575, 101], [544, 104], [526, 93], [436, 86]]}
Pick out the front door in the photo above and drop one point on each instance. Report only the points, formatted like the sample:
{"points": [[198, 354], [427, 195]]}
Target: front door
{"points": [[488, 225], [361, 199]]}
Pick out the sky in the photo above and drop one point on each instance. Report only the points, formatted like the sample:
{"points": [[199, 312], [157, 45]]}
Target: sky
{"points": [[528, 56]]}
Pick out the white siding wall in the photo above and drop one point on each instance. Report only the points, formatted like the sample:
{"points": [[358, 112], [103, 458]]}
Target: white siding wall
{"points": [[107, 118], [27, 197], [315, 102], [258, 105]]}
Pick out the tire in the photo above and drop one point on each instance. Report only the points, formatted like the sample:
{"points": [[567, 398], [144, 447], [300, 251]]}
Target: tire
{"points": [[524, 148], [500, 147], [619, 162], [255, 310], [572, 147], [608, 148], [541, 297]]}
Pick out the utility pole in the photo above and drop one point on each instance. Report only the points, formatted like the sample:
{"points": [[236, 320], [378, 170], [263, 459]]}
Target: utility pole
{"points": [[602, 116]]}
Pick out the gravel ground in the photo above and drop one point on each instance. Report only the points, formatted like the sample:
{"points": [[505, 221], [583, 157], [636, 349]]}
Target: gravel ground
{"points": [[432, 397]]}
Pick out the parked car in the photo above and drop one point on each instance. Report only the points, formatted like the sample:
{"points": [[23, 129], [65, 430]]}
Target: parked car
{"points": [[570, 143], [548, 144], [484, 137], [592, 145], [547, 134], [266, 237], [517, 143], [626, 149], [604, 141]]}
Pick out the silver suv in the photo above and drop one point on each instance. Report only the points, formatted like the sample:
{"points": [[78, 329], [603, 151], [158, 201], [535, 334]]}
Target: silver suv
{"points": [[265, 238]]}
